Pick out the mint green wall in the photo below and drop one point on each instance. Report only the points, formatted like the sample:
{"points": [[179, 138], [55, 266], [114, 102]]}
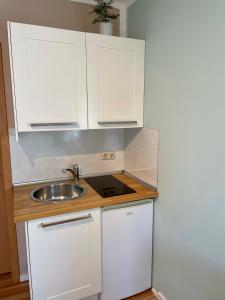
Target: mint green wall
{"points": [[185, 100]]}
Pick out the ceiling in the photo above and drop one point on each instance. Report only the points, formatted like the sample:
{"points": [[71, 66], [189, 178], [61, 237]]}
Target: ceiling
{"points": [[128, 2]]}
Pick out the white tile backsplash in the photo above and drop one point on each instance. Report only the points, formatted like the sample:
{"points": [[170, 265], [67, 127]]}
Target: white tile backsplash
{"points": [[141, 154], [43, 155]]}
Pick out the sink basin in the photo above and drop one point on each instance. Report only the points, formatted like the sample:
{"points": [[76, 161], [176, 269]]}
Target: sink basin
{"points": [[58, 192]]}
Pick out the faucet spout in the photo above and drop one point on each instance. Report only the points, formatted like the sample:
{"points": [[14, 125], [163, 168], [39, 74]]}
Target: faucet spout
{"points": [[74, 171]]}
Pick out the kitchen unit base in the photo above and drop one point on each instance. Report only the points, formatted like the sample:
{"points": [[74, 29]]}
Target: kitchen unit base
{"points": [[126, 250], [65, 259]]}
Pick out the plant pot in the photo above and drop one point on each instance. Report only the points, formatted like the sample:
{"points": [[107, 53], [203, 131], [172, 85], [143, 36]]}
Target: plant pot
{"points": [[106, 28]]}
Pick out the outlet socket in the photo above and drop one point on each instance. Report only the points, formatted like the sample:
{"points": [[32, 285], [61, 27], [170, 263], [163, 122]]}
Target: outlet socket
{"points": [[108, 156]]}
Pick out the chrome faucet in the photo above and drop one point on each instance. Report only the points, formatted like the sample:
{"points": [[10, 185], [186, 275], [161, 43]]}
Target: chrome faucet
{"points": [[75, 171]]}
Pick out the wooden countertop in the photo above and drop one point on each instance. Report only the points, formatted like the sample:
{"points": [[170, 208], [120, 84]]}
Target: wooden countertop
{"points": [[26, 209]]}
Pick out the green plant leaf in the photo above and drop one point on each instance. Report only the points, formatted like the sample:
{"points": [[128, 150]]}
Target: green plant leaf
{"points": [[101, 11]]}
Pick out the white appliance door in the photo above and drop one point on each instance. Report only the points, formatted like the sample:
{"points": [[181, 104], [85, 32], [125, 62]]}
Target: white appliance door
{"points": [[127, 251]]}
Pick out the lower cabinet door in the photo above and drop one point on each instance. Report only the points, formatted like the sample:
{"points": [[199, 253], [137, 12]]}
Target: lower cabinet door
{"points": [[64, 254]]}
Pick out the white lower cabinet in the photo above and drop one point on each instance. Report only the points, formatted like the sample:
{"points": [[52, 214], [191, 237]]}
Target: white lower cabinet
{"points": [[64, 255], [126, 250]]}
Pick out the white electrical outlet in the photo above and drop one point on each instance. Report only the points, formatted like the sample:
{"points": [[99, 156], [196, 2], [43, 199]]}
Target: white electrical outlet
{"points": [[108, 156]]}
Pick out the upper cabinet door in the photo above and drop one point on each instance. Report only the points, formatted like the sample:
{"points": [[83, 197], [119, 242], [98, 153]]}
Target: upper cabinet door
{"points": [[49, 78], [115, 77]]}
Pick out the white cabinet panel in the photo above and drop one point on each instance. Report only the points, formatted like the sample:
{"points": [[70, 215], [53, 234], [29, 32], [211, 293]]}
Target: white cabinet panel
{"points": [[65, 259], [115, 76], [126, 251], [49, 76], [50, 84]]}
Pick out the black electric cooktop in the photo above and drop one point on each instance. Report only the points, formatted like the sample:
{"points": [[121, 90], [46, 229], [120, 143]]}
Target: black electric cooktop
{"points": [[109, 186]]}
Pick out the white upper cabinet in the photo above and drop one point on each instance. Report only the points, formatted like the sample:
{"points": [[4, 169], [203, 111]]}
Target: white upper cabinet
{"points": [[115, 77], [50, 82], [48, 68]]}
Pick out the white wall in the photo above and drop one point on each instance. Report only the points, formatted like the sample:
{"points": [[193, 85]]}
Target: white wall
{"points": [[185, 99]]}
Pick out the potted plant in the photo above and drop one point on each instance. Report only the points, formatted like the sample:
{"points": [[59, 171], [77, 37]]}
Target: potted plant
{"points": [[104, 16]]}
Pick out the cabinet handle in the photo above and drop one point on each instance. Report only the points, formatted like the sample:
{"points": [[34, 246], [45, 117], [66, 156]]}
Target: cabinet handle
{"points": [[88, 217], [117, 122], [53, 124]]}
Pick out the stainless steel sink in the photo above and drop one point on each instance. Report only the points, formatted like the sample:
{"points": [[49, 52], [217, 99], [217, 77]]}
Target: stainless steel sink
{"points": [[58, 192]]}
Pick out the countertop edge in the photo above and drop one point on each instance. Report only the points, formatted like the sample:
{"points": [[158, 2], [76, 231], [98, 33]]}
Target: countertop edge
{"points": [[40, 215], [21, 215]]}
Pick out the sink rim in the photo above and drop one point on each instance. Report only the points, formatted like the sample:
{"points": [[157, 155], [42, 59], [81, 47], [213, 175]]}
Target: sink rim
{"points": [[32, 197]]}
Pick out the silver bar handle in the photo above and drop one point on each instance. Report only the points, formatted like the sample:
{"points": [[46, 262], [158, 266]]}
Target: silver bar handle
{"points": [[117, 122], [53, 124], [85, 218]]}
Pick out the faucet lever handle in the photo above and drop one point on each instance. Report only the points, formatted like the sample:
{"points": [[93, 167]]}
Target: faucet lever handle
{"points": [[76, 166]]}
